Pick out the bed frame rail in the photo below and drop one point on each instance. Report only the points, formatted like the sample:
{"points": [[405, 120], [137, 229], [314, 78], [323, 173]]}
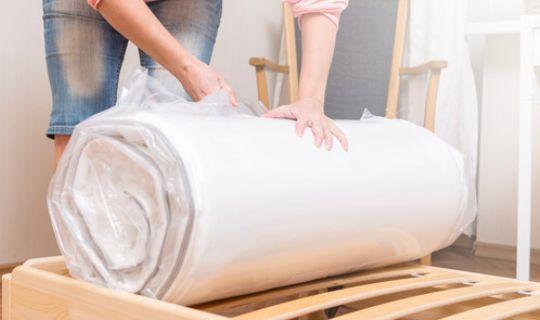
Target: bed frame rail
{"points": [[43, 289]]}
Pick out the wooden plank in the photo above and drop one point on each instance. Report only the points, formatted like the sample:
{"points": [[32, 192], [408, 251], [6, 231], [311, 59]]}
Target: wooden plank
{"points": [[401, 308], [37, 294], [445, 311], [499, 311], [296, 308], [6, 297], [365, 276], [397, 59]]}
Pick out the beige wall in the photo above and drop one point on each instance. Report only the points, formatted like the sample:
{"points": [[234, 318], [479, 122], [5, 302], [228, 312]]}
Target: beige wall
{"points": [[25, 164], [248, 28]]}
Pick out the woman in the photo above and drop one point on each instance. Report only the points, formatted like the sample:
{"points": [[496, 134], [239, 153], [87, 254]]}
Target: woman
{"points": [[318, 20], [85, 48]]}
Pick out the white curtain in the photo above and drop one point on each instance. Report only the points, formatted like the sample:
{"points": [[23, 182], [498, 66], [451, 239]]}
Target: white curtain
{"points": [[436, 31]]}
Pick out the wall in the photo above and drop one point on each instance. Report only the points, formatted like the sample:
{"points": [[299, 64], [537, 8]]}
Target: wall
{"points": [[25, 152], [496, 64], [248, 28]]}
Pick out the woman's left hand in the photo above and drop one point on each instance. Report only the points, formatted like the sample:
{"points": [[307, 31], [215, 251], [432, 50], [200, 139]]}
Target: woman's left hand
{"points": [[310, 114]]}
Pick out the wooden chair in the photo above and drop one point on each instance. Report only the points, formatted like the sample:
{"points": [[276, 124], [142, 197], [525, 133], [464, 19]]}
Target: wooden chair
{"points": [[384, 85], [345, 68]]}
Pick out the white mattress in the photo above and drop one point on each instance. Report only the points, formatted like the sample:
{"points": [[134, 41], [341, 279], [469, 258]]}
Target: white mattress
{"points": [[191, 208]]}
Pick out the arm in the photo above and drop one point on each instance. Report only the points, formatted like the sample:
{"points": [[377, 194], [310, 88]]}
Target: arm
{"points": [[135, 21], [318, 41]]}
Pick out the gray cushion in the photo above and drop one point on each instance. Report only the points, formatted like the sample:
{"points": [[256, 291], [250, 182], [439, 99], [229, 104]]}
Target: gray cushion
{"points": [[360, 71]]}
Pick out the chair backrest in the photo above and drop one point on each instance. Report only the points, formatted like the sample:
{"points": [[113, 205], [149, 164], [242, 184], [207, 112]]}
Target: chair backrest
{"points": [[367, 59]]}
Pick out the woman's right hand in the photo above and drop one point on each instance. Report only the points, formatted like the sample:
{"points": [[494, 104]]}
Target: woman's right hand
{"points": [[200, 80], [135, 21]]}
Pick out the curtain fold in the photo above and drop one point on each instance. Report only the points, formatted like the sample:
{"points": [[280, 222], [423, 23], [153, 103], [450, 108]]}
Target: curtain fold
{"points": [[436, 31]]}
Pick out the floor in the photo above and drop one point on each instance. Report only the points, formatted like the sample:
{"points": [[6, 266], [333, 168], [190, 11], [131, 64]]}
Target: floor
{"points": [[463, 259], [454, 258]]}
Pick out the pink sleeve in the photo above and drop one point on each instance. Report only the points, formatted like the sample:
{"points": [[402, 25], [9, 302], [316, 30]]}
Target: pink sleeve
{"points": [[330, 8], [93, 3]]}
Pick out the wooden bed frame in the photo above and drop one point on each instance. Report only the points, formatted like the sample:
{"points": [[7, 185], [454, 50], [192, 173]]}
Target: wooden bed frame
{"points": [[42, 289]]}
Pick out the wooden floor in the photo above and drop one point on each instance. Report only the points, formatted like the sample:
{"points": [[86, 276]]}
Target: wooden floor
{"points": [[464, 259], [455, 258]]}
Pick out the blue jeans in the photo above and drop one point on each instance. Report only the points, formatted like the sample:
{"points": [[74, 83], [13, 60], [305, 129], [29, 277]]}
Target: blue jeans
{"points": [[84, 53]]}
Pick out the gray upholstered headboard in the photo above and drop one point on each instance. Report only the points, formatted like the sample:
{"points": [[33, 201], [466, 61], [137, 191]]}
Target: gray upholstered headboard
{"points": [[362, 60]]}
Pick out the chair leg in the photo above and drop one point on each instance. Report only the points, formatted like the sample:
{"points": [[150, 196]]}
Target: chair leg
{"points": [[431, 100], [426, 260], [262, 86]]}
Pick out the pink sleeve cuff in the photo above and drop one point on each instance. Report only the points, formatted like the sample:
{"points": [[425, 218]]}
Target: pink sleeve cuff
{"points": [[93, 3], [329, 8]]}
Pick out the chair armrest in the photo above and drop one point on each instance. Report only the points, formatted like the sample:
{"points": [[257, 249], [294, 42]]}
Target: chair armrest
{"points": [[265, 63], [428, 66]]}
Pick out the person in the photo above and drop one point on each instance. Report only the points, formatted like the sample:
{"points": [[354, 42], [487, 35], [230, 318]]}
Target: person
{"points": [[85, 47], [318, 21]]}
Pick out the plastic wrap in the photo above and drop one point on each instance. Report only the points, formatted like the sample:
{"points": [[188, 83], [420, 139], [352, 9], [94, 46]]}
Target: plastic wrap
{"points": [[191, 202]]}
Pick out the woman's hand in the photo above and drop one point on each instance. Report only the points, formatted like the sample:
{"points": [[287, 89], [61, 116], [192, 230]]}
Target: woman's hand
{"points": [[200, 80], [135, 21], [310, 114]]}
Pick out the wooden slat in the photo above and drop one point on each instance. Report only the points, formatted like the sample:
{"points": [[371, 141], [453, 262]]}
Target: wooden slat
{"points": [[401, 308], [499, 311], [37, 294], [6, 297], [330, 299], [375, 275]]}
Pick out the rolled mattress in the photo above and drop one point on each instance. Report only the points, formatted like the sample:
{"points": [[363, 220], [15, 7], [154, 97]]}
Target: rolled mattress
{"points": [[191, 208]]}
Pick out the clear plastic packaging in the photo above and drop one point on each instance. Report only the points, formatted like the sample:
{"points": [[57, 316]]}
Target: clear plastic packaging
{"points": [[191, 202]]}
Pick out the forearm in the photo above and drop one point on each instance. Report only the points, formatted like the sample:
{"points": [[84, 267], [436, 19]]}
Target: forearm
{"points": [[318, 42], [135, 21]]}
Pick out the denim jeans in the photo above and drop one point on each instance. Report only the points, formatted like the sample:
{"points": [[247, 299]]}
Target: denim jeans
{"points": [[85, 54]]}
